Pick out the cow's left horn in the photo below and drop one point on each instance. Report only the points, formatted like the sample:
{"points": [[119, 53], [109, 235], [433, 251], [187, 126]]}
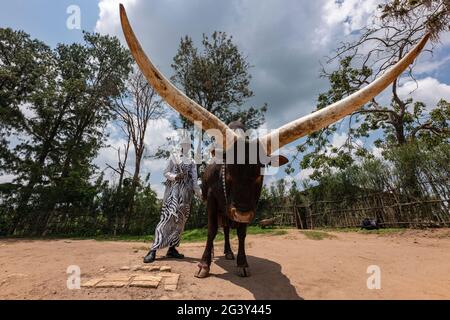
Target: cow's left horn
{"points": [[174, 97], [325, 117]]}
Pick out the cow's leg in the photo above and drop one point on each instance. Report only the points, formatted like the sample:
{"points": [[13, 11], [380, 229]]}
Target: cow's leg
{"points": [[242, 265], [229, 255], [205, 264]]}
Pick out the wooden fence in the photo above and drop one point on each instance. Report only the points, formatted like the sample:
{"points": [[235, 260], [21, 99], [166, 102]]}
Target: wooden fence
{"points": [[389, 209]]}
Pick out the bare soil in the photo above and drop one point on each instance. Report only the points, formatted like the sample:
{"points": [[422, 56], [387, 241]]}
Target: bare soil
{"points": [[414, 265]]}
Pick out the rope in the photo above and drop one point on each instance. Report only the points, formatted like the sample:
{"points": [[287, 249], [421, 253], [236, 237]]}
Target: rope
{"points": [[224, 185]]}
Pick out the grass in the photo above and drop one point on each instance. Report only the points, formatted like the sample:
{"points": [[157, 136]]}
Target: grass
{"points": [[200, 235], [126, 238], [317, 235], [195, 235], [269, 231], [383, 231], [323, 233]]}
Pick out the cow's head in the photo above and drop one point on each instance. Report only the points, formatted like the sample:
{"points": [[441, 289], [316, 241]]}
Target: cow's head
{"points": [[246, 179], [242, 174]]}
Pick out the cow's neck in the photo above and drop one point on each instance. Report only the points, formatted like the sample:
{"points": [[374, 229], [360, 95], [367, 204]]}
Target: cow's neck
{"points": [[223, 174]]}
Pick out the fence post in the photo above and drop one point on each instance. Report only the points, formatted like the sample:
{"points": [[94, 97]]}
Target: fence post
{"points": [[298, 221]]}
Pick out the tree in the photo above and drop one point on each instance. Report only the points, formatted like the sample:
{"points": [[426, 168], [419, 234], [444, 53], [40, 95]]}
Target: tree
{"points": [[135, 109], [433, 14], [217, 78], [60, 119], [398, 26], [116, 199], [24, 69]]}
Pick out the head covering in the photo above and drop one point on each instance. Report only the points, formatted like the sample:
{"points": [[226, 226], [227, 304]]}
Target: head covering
{"points": [[185, 145], [186, 139]]}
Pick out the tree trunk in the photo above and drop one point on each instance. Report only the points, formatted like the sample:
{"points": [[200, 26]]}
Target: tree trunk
{"points": [[134, 186]]}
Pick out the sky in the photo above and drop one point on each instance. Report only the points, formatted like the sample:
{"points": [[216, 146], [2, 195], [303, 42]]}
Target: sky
{"points": [[284, 41]]}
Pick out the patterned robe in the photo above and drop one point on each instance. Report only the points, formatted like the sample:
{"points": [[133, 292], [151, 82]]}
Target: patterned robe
{"points": [[177, 201]]}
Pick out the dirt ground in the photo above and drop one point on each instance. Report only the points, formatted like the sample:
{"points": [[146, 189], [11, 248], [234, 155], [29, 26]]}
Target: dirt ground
{"points": [[414, 265]]}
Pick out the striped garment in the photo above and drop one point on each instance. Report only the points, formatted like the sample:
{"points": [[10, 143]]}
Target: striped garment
{"points": [[177, 202]]}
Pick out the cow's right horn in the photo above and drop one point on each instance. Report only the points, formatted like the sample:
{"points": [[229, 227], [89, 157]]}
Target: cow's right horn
{"points": [[326, 116]]}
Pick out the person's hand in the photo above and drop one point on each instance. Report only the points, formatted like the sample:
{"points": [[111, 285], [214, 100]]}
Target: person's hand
{"points": [[180, 176]]}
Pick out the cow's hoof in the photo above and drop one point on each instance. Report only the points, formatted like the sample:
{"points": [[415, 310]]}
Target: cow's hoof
{"points": [[229, 256], [243, 272], [203, 271]]}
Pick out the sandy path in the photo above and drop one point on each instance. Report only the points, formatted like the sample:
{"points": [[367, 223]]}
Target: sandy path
{"points": [[414, 265]]}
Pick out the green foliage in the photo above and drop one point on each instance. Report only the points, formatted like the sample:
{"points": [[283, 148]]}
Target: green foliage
{"points": [[434, 13], [271, 196], [202, 234], [399, 123], [409, 186], [55, 105], [114, 205], [217, 78], [199, 216], [383, 231], [428, 167], [191, 235]]}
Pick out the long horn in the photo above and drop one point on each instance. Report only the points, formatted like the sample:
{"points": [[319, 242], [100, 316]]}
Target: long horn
{"points": [[174, 97], [327, 116]]}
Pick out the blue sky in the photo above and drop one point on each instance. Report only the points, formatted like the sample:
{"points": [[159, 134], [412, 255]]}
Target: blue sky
{"points": [[284, 41], [46, 19]]}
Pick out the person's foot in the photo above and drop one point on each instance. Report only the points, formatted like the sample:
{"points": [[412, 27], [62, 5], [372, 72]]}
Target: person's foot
{"points": [[150, 257], [173, 253]]}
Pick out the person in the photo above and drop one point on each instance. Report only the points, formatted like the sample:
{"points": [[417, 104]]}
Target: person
{"points": [[181, 184]]}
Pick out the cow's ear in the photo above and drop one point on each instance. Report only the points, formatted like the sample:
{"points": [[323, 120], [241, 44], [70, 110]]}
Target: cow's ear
{"points": [[278, 161]]}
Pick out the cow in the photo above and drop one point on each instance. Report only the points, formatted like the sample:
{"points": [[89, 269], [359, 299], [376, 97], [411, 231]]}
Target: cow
{"points": [[232, 188]]}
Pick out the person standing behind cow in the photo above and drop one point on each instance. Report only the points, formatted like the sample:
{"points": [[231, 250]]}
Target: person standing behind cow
{"points": [[181, 184]]}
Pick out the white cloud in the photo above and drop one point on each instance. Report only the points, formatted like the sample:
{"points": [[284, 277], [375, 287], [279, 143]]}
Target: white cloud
{"points": [[339, 139], [285, 43], [345, 17], [27, 111], [6, 178], [354, 14], [109, 18], [157, 132], [377, 152], [304, 174], [274, 37], [427, 90], [445, 39], [430, 65], [281, 41]]}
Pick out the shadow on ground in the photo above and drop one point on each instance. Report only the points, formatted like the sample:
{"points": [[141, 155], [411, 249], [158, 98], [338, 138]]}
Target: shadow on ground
{"points": [[185, 259], [266, 281]]}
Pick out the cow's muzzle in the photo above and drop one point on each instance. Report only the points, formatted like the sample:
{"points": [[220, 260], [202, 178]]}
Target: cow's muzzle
{"points": [[241, 217]]}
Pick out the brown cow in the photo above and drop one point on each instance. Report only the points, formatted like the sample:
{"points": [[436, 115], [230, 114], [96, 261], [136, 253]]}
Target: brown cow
{"points": [[232, 190]]}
